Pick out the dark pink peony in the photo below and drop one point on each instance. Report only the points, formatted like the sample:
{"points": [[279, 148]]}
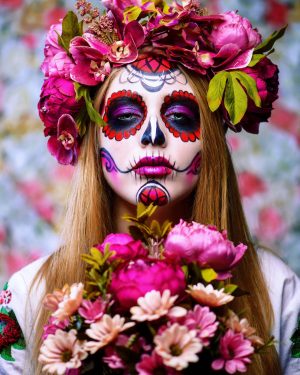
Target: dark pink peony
{"points": [[235, 36], [265, 74], [205, 245], [124, 246], [235, 353], [137, 278], [56, 63], [64, 145], [57, 98]]}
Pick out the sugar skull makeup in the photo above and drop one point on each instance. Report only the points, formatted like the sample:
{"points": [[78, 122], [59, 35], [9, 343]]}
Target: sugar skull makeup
{"points": [[150, 147]]}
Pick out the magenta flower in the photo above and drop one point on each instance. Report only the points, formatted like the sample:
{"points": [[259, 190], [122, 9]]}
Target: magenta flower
{"points": [[92, 310], [90, 55], [53, 325], [265, 74], [124, 246], [125, 51], [56, 63], [57, 98], [155, 275], [65, 144], [153, 364], [235, 353], [204, 244], [203, 321], [234, 40]]}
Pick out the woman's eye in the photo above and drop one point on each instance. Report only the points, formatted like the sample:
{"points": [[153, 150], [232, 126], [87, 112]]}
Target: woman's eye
{"points": [[177, 117], [128, 117]]}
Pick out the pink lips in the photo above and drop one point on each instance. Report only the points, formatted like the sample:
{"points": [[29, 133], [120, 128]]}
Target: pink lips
{"points": [[153, 167]]}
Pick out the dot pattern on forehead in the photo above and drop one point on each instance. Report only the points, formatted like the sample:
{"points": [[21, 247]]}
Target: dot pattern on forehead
{"points": [[180, 113], [124, 118]]}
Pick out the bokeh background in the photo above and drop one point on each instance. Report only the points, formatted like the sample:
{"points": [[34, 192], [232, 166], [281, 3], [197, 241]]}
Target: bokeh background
{"points": [[33, 187]]}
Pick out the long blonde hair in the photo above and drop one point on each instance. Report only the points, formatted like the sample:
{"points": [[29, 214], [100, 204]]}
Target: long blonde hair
{"points": [[217, 201]]}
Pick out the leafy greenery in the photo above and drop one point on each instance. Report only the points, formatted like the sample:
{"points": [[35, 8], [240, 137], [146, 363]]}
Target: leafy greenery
{"points": [[70, 28]]}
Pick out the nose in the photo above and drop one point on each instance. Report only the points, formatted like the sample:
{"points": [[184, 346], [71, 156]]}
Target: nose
{"points": [[153, 134]]}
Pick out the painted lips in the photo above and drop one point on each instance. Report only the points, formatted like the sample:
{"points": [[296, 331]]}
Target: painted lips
{"points": [[152, 167]]}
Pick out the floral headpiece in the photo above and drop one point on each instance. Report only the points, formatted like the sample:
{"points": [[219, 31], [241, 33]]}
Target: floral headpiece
{"points": [[79, 55]]}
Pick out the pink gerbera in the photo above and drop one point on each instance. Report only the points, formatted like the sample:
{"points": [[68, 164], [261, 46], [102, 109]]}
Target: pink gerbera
{"points": [[235, 353], [204, 321]]}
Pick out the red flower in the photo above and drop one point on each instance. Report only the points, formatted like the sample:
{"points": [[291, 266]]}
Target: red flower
{"points": [[10, 331], [65, 144]]}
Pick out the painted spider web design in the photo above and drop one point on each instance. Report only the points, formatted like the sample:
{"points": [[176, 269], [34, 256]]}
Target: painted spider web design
{"points": [[152, 192]]}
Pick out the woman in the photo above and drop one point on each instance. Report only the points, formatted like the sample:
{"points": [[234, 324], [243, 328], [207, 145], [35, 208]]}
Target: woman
{"points": [[160, 143]]}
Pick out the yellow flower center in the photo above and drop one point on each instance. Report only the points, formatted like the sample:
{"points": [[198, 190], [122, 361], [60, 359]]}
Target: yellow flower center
{"points": [[175, 350]]}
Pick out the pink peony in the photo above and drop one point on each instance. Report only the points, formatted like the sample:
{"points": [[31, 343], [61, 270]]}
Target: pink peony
{"points": [[153, 364], [138, 277], [234, 40], [57, 98], [235, 351], [265, 74], [204, 244], [124, 246], [204, 321], [65, 144], [56, 63], [92, 310]]}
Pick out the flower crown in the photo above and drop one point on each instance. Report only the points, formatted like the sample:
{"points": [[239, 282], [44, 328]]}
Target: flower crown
{"points": [[79, 55]]}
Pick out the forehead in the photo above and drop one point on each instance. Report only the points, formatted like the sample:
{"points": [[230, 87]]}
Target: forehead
{"points": [[151, 78]]}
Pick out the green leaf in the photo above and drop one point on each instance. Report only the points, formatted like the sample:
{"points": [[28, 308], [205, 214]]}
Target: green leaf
{"points": [[83, 92], [267, 44], [20, 344], [230, 288], [216, 90], [5, 353], [249, 84], [236, 100], [70, 29], [256, 59], [208, 274], [166, 227], [132, 13], [144, 212]]}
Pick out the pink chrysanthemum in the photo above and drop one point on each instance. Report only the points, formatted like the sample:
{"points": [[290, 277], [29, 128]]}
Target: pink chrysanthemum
{"points": [[235, 353], [204, 321], [209, 296], [61, 352], [105, 331], [178, 346]]}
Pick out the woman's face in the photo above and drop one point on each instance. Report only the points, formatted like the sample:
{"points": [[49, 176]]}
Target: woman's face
{"points": [[150, 148]]}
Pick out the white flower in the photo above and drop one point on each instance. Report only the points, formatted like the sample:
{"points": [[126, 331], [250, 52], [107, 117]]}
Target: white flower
{"points": [[154, 305], [105, 331], [178, 346], [207, 295], [61, 351]]}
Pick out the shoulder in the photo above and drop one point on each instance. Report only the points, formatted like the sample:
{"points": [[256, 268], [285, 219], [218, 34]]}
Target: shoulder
{"points": [[284, 290]]}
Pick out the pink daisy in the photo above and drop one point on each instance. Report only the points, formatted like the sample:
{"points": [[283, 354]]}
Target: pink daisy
{"points": [[209, 296], [204, 321], [235, 351]]}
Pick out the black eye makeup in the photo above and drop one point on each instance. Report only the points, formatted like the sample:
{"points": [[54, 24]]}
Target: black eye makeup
{"points": [[181, 115], [124, 114]]}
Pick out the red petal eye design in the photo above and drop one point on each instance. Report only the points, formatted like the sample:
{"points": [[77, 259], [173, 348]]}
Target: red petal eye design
{"points": [[125, 112], [180, 113]]}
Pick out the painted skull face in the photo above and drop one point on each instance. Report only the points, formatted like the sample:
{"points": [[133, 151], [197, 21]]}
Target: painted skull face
{"points": [[150, 148]]}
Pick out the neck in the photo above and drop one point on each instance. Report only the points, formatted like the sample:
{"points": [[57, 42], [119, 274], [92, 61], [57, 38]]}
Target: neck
{"points": [[174, 211]]}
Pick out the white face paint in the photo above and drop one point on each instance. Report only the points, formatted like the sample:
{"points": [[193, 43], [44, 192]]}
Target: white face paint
{"points": [[150, 148]]}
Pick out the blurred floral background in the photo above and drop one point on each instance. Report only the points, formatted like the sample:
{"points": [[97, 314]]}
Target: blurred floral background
{"points": [[33, 188]]}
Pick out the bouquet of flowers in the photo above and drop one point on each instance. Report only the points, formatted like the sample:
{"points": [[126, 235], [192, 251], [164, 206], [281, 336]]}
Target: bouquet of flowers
{"points": [[155, 301]]}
